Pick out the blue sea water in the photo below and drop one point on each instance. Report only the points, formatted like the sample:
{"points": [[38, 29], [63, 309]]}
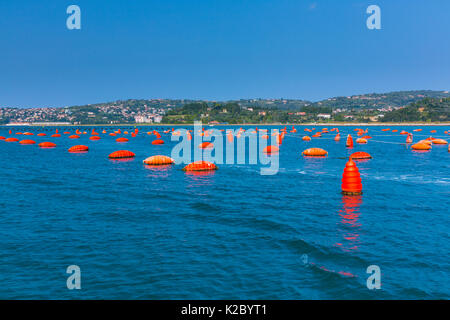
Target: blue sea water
{"points": [[146, 233]]}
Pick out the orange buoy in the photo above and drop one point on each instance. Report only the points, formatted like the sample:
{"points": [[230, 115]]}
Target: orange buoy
{"points": [[367, 137], [74, 136], [19, 133], [337, 137], [387, 129], [56, 135], [306, 138], [417, 130], [2, 138], [394, 130], [200, 166], [79, 148], [433, 131], [158, 160], [349, 142], [409, 138], [439, 141], [27, 141], [314, 152], [94, 138], [121, 154], [361, 140], [28, 134], [47, 145], [11, 139], [351, 180], [41, 134], [122, 139], [65, 132], [158, 141], [112, 134], [360, 155], [271, 150], [206, 145], [421, 146]]}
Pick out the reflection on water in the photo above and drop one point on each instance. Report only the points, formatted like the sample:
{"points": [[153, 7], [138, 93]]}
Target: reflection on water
{"points": [[159, 171], [349, 225]]}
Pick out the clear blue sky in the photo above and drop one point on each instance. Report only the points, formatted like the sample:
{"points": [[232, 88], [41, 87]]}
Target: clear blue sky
{"points": [[211, 49]]}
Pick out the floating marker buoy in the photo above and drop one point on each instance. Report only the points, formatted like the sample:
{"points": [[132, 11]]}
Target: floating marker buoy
{"points": [[360, 155], [200, 166], [206, 145], [271, 150], [394, 131], [421, 146], [56, 135], [74, 136], [28, 134], [122, 139], [158, 160], [78, 148], [122, 154], [439, 141], [2, 138], [361, 140], [94, 138], [41, 134], [158, 141], [349, 142], [306, 138], [351, 180], [11, 139], [112, 134], [47, 145], [337, 137], [314, 152], [27, 142]]}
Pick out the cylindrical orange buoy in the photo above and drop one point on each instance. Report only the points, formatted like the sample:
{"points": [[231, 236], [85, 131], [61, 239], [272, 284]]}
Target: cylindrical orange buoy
{"points": [[56, 135], [122, 154], [337, 137], [158, 160], [74, 136], [439, 141], [11, 139], [351, 180], [47, 145], [361, 155], [158, 141], [421, 146], [200, 166], [314, 152], [271, 149], [206, 145], [361, 140], [349, 142], [306, 138], [26, 141], [121, 140], [94, 138], [78, 148]]}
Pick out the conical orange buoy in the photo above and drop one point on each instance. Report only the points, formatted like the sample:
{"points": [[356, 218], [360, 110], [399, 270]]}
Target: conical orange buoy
{"points": [[47, 145], [271, 149], [409, 138], [200, 166], [337, 137], [314, 152], [349, 143], [351, 180], [158, 160], [78, 148], [121, 154]]}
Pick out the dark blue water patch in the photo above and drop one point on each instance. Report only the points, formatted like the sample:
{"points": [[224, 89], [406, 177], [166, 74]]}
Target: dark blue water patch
{"points": [[148, 233]]}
